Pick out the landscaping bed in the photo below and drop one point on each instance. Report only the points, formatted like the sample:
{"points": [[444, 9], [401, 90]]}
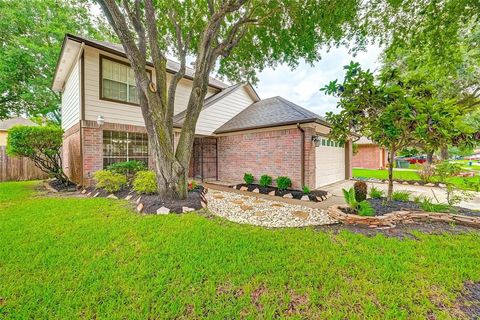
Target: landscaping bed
{"points": [[382, 207], [314, 195], [152, 203], [404, 182], [60, 186]]}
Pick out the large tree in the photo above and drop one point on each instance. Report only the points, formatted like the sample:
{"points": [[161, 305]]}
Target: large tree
{"points": [[235, 37], [31, 34]]}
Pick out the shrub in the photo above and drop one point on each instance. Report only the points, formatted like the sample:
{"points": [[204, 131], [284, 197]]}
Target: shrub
{"points": [[145, 182], [306, 190], [401, 196], [446, 169], [360, 188], [375, 193], [265, 180], [41, 145], [349, 196], [192, 185], [428, 206], [426, 172], [110, 181], [127, 168], [283, 183], [248, 178], [365, 209]]}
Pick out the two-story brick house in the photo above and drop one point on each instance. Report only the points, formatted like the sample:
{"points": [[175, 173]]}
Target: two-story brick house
{"points": [[237, 132]]}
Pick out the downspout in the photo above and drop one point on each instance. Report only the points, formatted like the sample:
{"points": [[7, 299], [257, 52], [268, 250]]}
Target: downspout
{"points": [[302, 155]]}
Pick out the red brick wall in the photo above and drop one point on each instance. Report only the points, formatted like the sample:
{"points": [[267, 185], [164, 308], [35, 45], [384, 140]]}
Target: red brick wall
{"points": [[369, 156], [276, 153]]}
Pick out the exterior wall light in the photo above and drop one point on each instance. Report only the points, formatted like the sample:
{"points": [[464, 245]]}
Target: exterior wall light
{"points": [[100, 120], [317, 140]]}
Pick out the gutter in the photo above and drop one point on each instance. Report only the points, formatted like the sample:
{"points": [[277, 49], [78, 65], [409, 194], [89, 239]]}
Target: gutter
{"points": [[302, 155]]}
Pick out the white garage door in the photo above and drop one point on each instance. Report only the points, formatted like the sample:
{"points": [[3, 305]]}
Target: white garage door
{"points": [[330, 163]]}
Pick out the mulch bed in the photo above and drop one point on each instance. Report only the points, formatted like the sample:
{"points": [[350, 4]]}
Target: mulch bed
{"points": [[296, 194], [469, 300], [382, 207], [61, 187], [152, 202], [405, 182]]}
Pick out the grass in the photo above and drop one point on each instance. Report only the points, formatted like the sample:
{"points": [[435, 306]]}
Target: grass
{"points": [[459, 182], [77, 258]]}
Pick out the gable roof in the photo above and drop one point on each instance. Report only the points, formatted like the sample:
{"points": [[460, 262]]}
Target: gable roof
{"points": [[172, 66], [270, 112], [8, 123]]}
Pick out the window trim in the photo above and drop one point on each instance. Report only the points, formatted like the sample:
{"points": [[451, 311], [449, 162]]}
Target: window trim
{"points": [[100, 95], [127, 157]]}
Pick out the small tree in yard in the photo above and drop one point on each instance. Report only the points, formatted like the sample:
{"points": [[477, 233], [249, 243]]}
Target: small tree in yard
{"points": [[379, 110], [41, 145], [238, 37]]}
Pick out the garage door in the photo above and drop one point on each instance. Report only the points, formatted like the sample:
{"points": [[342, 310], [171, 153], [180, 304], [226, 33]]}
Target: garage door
{"points": [[330, 162]]}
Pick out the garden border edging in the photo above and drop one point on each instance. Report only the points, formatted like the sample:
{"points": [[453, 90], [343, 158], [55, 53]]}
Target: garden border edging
{"points": [[390, 220]]}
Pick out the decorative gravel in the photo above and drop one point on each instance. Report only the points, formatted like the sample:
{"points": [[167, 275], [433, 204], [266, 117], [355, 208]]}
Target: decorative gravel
{"points": [[261, 212]]}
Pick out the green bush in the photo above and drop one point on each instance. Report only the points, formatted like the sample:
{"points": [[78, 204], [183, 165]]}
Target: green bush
{"points": [[42, 145], [375, 193], [401, 196], [283, 183], [127, 168], [306, 190], [365, 209], [360, 188], [428, 206], [248, 178], [192, 185], [145, 182], [445, 170], [265, 180], [110, 181]]}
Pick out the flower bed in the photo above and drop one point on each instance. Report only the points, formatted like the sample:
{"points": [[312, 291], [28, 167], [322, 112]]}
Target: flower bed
{"points": [[393, 218], [314, 195], [152, 203]]}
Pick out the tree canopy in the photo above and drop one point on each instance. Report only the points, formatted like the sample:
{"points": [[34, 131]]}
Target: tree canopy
{"points": [[31, 34]]}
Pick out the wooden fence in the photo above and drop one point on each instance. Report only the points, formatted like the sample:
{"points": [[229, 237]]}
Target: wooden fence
{"points": [[16, 168]]}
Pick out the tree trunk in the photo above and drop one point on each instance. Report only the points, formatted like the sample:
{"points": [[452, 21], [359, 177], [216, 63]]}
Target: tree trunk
{"points": [[391, 156], [429, 157], [444, 153]]}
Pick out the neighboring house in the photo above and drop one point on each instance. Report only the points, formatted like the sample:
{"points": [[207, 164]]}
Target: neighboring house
{"points": [[8, 123], [369, 155], [237, 132]]}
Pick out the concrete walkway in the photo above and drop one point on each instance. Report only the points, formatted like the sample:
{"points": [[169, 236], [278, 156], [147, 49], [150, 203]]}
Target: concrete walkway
{"points": [[440, 194]]}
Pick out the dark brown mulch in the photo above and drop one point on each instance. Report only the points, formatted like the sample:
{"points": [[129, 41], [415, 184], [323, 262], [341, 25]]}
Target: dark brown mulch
{"points": [[382, 207], [401, 231], [152, 202], [60, 186], [296, 194], [469, 300]]}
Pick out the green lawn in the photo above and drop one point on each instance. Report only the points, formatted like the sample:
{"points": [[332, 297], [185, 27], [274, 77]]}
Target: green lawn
{"points": [[460, 182], [67, 258]]}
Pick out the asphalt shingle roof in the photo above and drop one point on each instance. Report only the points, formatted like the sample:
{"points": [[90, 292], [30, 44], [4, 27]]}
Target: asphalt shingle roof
{"points": [[8, 123], [269, 112]]}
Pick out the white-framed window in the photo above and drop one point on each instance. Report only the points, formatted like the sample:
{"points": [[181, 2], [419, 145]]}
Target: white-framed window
{"points": [[119, 146]]}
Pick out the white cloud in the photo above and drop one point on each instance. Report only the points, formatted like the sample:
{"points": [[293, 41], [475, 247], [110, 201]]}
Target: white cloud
{"points": [[302, 84]]}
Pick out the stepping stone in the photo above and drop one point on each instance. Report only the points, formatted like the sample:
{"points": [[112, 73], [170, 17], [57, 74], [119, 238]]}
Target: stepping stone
{"points": [[140, 207], [258, 201], [112, 196], [163, 210], [187, 209], [238, 202], [246, 208], [243, 189], [288, 195], [128, 197], [260, 214], [96, 194], [218, 196], [256, 190], [301, 214], [138, 200], [271, 193], [276, 205], [305, 198], [84, 191]]}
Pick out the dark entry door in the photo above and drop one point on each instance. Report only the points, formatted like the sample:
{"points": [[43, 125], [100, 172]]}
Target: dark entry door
{"points": [[205, 158]]}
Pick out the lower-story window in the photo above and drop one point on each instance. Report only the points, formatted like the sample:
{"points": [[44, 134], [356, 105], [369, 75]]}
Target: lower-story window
{"points": [[124, 146]]}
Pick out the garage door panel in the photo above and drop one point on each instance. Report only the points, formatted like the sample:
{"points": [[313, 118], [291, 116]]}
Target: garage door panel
{"points": [[330, 165]]}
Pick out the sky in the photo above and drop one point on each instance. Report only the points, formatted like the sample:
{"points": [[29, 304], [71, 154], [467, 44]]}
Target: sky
{"points": [[302, 84]]}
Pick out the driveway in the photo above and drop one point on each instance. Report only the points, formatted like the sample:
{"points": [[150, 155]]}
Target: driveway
{"points": [[440, 194]]}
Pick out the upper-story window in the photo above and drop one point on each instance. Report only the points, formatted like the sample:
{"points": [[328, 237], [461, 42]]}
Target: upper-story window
{"points": [[117, 81]]}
